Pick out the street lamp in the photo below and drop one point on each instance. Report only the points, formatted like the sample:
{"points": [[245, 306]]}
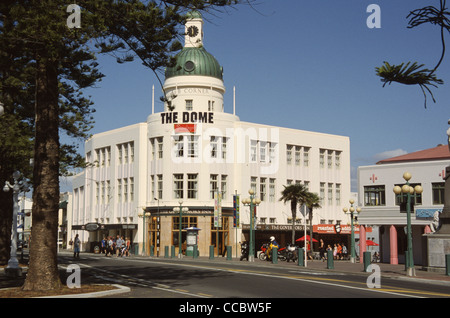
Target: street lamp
{"points": [[143, 215], [408, 191], [180, 210], [353, 214], [252, 202], [13, 268]]}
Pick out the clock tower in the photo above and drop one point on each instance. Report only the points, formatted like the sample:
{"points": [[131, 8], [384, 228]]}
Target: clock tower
{"points": [[193, 30]]}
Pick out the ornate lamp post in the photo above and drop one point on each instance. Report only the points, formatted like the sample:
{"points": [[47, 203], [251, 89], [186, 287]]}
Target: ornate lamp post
{"points": [[252, 202], [144, 215], [13, 268], [353, 214], [407, 191], [180, 210]]}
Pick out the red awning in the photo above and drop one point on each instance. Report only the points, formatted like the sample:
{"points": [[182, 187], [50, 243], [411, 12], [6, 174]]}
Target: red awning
{"points": [[307, 238]]}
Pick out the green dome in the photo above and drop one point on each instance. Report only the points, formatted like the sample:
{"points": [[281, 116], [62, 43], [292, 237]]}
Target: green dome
{"points": [[193, 15], [195, 61]]}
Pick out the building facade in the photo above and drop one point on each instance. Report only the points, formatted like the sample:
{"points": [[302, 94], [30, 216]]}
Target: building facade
{"points": [[381, 208], [196, 157]]}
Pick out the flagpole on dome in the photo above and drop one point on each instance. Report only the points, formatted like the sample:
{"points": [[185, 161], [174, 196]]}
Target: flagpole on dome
{"points": [[153, 99]]}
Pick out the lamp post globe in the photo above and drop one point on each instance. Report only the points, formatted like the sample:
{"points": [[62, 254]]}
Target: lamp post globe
{"points": [[409, 192], [353, 212]]}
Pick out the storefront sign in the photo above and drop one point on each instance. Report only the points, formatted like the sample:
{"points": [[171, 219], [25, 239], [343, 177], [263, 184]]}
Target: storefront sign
{"points": [[236, 217], [91, 227], [187, 117], [184, 128], [331, 229], [274, 227], [218, 209], [427, 213]]}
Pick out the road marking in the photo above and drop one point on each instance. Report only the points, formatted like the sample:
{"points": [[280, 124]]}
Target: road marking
{"points": [[317, 273], [318, 280], [140, 282]]}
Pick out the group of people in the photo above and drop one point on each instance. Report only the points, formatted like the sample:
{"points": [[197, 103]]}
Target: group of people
{"points": [[339, 250], [116, 246]]}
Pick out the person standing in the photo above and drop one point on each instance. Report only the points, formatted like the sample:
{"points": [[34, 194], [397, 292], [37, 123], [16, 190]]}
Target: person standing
{"points": [[110, 248], [127, 248], [119, 246], [344, 251], [76, 247], [322, 250]]}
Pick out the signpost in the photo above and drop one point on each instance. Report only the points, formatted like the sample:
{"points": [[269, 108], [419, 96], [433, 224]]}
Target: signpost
{"points": [[236, 218]]}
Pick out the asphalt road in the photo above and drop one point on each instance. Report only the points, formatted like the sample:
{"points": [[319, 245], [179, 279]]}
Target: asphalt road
{"points": [[197, 281]]}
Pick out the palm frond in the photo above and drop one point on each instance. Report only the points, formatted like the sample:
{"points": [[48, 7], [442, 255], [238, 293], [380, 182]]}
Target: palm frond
{"points": [[409, 74]]}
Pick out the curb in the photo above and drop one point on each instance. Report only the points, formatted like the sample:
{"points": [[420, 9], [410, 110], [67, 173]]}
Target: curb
{"points": [[119, 290]]}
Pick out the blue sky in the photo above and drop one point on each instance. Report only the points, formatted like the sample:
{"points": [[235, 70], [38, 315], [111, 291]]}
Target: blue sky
{"points": [[310, 65]]}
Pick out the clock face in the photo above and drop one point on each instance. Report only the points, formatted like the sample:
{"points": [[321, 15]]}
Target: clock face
{"points": [[192, 31]]}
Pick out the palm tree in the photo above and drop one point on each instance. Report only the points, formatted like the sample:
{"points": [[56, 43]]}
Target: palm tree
{"points": [[312, 201], [296, 194]]}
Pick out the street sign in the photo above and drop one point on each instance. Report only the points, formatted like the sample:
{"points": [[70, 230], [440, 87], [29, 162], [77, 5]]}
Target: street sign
{"points": [[91, 227]]}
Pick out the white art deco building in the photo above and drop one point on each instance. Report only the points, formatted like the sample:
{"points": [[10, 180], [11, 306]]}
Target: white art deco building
{"points": [[384, 211], [192, 150]]}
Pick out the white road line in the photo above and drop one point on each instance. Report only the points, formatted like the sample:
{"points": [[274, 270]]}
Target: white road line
{"points": [[143, 282], [284, 277]]}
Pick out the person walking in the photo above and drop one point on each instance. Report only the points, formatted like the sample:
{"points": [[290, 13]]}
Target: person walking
{"points": [[76, 247], [104, 246]]}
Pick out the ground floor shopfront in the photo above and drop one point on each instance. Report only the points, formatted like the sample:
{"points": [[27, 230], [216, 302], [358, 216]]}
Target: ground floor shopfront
{"points": [[163, 231], [91, 235], [393, 243], [329, 233]]}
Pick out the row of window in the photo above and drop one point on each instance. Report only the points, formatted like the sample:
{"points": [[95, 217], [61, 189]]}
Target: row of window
{"points": [[190, 105], [333, 158], [376, 195], [333, 193], [300, 155], [266, 189], [186, 146], [125, 154], [186, 186], [260, 151], [125, 191]]}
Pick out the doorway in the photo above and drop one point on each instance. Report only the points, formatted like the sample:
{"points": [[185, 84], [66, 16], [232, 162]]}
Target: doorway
{"points": [[154, 236], [219, 237]]}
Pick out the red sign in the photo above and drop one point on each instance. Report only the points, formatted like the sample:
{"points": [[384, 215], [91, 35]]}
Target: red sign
{"points": [[184, 128], [331, 229]]}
